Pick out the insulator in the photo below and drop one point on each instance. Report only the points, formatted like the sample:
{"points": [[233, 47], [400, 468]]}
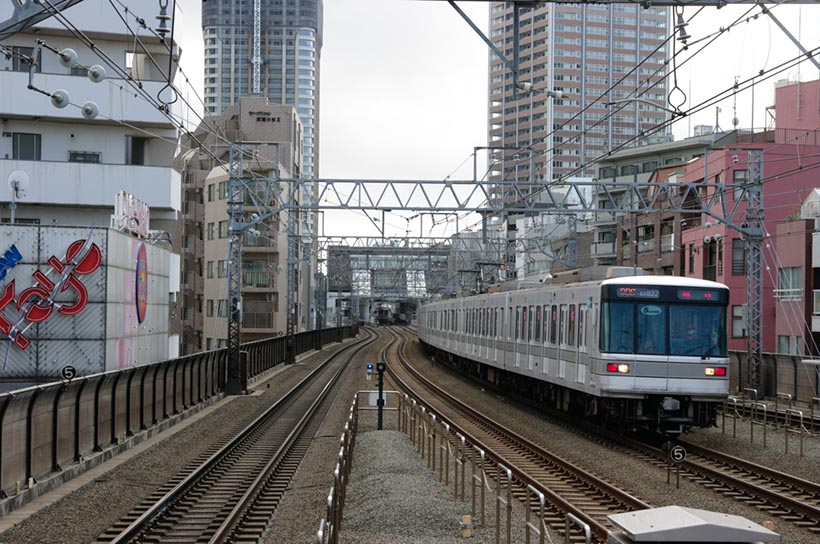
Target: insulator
{"points": [[163, 19]]}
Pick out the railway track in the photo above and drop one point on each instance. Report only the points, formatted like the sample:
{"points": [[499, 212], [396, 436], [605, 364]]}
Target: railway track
{"points": [[230, 494], [566, 487], [780, 494]]}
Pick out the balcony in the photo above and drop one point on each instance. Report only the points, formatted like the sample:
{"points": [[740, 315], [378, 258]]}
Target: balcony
{"points": [[789, 294], [645, 246], [257, 320], [605, 218], [84, 185], [603, 249], [124, 107], [667, 243], [257, 279]]}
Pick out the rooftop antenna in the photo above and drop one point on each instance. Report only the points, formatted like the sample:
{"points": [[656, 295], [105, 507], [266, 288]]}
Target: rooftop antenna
{"points": [[735, 120], [717, 119]]}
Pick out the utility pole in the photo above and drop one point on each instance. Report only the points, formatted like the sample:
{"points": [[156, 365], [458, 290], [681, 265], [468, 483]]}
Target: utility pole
{"points": [[236, 380], [753, 233], [292, 264]]}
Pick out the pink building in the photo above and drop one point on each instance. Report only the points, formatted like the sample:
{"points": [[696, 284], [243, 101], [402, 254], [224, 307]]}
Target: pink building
{"points": [[716, 251], [797, 106]]}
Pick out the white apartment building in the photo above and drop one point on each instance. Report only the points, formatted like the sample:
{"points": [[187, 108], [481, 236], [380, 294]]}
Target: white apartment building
{"points": [[75, 165]]}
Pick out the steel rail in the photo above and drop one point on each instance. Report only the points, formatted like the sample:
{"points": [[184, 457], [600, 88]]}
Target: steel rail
{"points": [[560, 503], [809, 513], [244, 505], [161, 505]]}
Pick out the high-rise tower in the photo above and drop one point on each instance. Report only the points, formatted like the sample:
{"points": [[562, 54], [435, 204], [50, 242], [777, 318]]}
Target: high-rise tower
{"points": [[290, 39], [583, 51]]}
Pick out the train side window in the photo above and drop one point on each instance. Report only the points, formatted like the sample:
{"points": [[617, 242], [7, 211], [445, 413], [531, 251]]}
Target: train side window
{"points": [[538, 324], [553, 324], [529, 323], [562, 315], [571, 330], [545, 310], [582, 333], [509, 323], [517, 322]]}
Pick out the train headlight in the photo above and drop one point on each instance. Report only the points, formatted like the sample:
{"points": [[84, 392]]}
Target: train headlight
{"points": [[613, 367], [715, 371]]}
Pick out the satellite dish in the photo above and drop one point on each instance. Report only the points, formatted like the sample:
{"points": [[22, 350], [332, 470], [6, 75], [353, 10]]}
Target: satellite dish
{"points": [[96, 73], [60, 99], [68, 58], [90, 110], [18, 183]]}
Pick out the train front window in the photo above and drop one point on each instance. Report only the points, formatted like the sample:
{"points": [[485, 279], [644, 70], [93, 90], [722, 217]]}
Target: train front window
{"points": [[651, 329], [697, 330], [618, 324]]}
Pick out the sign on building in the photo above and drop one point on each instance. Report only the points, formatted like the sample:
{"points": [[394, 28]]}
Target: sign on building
{"points": [[131, 215]]}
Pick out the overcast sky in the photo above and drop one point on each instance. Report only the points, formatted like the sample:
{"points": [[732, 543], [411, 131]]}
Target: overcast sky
{"points": [[404, 84]]}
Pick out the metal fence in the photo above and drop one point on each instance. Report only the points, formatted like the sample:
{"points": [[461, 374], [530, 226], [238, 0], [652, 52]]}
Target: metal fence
{"points": [[58, 427]]}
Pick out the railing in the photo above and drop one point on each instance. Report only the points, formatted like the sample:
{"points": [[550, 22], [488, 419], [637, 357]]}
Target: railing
{"points": [[257, 320], [602, 249], [626, 252], [257, 278], [645, 246], [442, 447], [64, 428], [788, 294]]}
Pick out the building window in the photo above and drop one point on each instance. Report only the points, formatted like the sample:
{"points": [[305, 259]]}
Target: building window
{"points": [[789, 283], [211, 230], [210, 310], [222, 308], [135, 150], [222, 343], [738, 257], [691, 258], [211, 192], [223, 190], [210, 269], [26, 147], [223, 229], [783, 343], [221, 270], [209, 344], [738, 322], [84, 156], [738, 177]]}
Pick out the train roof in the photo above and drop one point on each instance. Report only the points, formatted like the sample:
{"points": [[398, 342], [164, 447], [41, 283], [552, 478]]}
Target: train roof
{"points": [[674, 281]]}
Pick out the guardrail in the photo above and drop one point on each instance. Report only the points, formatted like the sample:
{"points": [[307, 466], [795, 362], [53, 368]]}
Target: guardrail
{"points": [[56, 431]]}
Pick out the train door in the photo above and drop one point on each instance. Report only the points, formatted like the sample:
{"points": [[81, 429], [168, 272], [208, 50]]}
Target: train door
{"points": [[518, 320], [537, 326], [529, 337], [562, 364], [545, 330], [581, 357]]}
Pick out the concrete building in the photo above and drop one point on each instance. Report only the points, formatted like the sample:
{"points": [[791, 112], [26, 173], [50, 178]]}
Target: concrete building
{"points": [[290, 52], [614, 242], [75, 165], [276, 151], [581, 51]]}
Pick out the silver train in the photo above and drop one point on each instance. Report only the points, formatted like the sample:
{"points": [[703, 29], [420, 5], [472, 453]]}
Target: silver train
{"points": [[636, 351]]}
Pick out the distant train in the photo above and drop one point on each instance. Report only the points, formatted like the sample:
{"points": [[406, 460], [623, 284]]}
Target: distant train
{"points": [[385, 314], [635, 351]]}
